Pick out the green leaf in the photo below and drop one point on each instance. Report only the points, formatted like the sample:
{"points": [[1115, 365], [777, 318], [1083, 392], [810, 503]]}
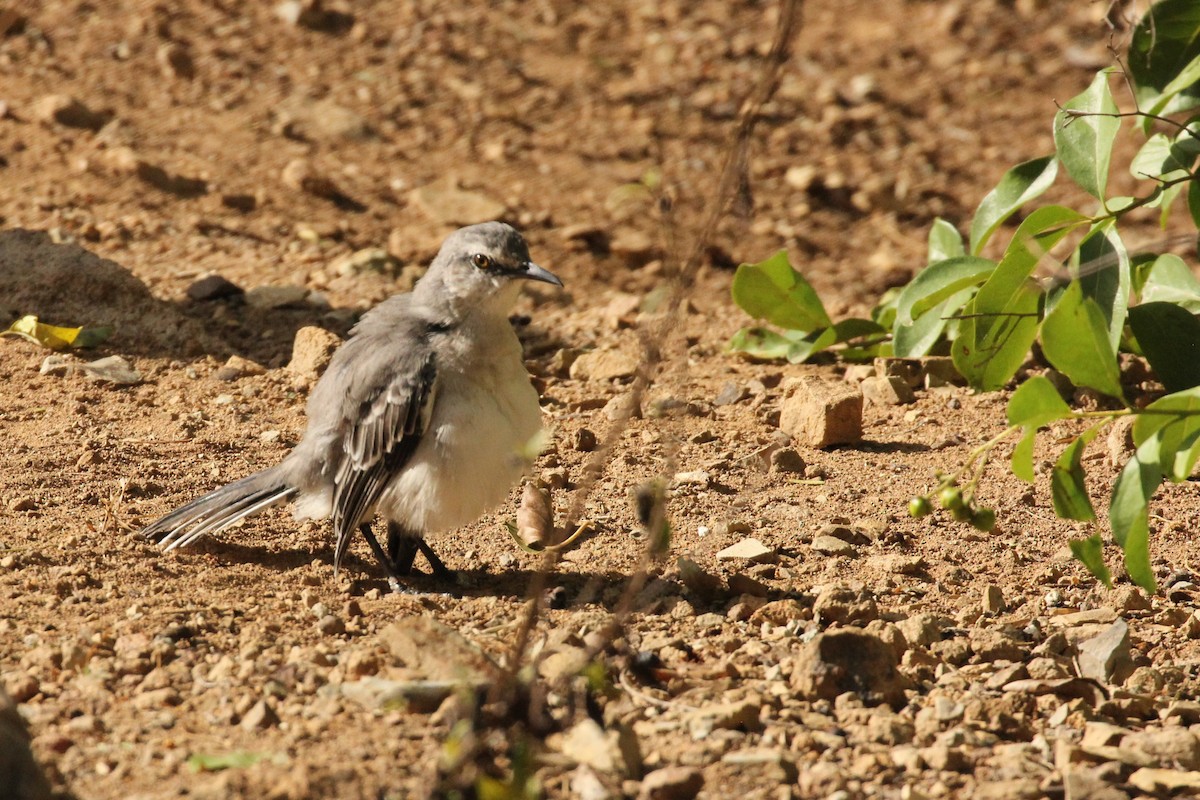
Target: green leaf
{"points": [[237, 759], [1162, 58], [944, 242], [1075, 340], [939, 281], [1019, 185], [1170, 280], [55, 337], [846, 330], [995, 335], [1163, 158], [773, 291], [1106, 278], [1193, 201], [1036, 403], [1129, 509], [1169, 337], [1067, 485], [919, 338], [762, 343], [1022, 456], [1175, 421], [1084, 143], [1090, 552], [1000, 324]]}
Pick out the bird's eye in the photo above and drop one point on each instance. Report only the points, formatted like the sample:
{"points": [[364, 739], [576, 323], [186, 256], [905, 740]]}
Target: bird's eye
{"points": [[481, 261]]}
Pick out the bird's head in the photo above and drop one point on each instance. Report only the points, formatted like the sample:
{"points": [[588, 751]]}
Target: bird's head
{"points": [[481, 265]]}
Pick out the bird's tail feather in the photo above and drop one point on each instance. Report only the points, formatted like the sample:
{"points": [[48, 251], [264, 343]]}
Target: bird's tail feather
{"points": [[219, 509]]}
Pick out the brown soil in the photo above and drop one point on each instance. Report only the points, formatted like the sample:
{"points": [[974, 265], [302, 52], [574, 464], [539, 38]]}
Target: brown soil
{"points": [[199, 118]]}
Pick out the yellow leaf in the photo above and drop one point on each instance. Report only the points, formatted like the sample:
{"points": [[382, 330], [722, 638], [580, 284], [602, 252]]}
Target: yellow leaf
{"points": [[55, 337]]}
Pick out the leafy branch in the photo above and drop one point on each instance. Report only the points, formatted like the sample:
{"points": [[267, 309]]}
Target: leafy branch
{"points": [[988, 313]]}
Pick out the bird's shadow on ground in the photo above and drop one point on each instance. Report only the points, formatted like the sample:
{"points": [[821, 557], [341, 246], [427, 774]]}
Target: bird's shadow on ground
{"points": [[563, 587]]}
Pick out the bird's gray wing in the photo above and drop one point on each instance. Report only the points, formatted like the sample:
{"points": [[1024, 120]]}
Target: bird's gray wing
{"points": [[384, 418]]}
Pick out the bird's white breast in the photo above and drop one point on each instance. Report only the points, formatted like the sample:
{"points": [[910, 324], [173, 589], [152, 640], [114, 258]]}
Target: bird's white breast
{"points": [[484, 416]]}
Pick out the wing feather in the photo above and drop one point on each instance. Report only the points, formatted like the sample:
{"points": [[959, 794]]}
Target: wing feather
{"points": [[380, 437]]}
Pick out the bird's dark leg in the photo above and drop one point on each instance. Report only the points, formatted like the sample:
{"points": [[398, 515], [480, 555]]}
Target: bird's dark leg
{"points": [[403, 547], [387, 563]]}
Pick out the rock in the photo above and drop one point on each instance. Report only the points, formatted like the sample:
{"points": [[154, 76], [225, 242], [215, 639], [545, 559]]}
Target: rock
{"points": [[907, 370], [739, 716], [672, 783], [603, 366], [321, 120], [1155, 781], [66, 110], [584, 440], [213, 287], [238, 367], [586, 785], [311, 352], [447, 204], [845, 533], [21, 688], [587, 743], [613, 751], [779, 613], [821, 414], [776, 763], [1186, 711], [331, 625], [368, 259], [844, 605], [849, 660], [832, 546], [1106, 658], [302, 176], [260, 717], [994, 644], [886, 391], [786, 459], [417, 696], [730, 393], [20, 774], [175, 61], [750, 549], [704, 585], [1081, 783], [1166, 746], [634, 246], [268, 297], [436, 651], [940, 371], [993, 599]]}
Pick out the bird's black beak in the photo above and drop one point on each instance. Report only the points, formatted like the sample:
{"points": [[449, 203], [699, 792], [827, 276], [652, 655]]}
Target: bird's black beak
{"points": [[531, 271]]}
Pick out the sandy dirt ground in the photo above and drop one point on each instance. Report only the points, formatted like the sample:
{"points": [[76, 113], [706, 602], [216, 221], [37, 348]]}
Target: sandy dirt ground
{"points": [[315, 157]]}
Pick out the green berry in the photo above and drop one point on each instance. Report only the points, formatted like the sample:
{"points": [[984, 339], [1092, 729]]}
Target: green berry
{"points": [[951, 498], [984, 519], [919, 507], [962, 513]]}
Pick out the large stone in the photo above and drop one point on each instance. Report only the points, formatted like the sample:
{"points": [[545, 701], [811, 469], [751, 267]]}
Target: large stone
{"points": [[845, 605], [1105, 657], [819, 413], [436, 651], [849, 660], [603, 366], [449, 205], [311, 352], [672, 783]]}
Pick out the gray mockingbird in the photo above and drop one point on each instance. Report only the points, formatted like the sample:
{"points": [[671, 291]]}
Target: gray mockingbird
{"points": [[424, 416]]}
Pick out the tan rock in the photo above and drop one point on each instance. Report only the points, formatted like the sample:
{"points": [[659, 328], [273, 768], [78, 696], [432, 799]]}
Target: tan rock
{"points": [[311, 352], [821, 414]]}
